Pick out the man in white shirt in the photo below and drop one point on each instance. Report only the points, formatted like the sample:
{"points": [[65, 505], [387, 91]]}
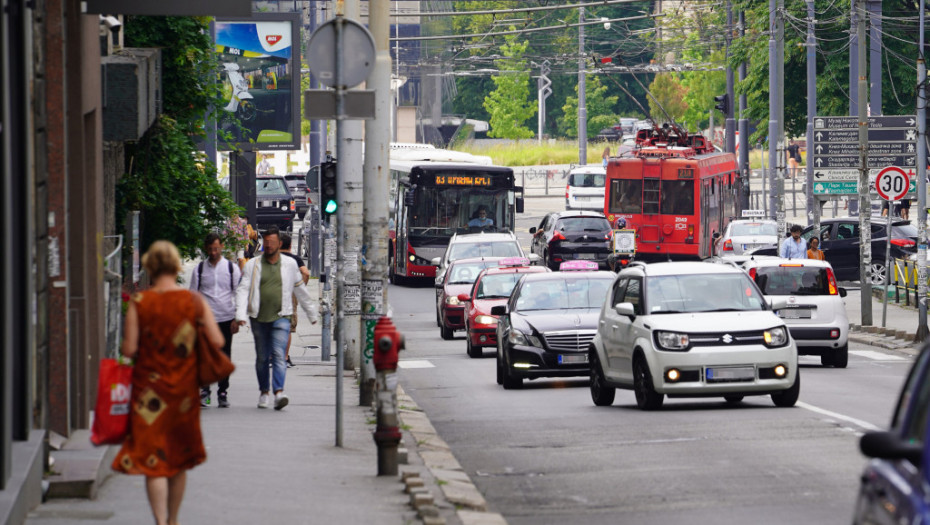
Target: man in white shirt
{"points": [[216, 279], [794, 247]]}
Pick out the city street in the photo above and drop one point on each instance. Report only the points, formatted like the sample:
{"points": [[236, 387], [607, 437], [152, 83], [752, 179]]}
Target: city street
{"points": [[546, 454]]}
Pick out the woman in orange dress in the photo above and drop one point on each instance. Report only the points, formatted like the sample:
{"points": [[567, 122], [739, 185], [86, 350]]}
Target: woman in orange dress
{"points": [[815, 252], [164, 428]]}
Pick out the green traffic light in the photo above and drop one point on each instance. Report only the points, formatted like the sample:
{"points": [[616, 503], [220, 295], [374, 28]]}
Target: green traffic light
{"points": [[330, 206]]}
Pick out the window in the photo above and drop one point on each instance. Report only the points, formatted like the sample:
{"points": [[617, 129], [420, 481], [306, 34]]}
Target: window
{"points": [[619, 289], [633, 294], [678, 197], [702, 293], [847, 230], [583, 224], [497, 285], [754, 228], [913, 383], [793, 280], [484, 249], [626, 196], [467, 273], [267, 187]]}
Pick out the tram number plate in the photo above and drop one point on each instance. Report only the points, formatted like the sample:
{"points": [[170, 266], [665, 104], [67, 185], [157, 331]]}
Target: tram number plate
{"points": [[572, 359], [795, 313], [732, 373]]}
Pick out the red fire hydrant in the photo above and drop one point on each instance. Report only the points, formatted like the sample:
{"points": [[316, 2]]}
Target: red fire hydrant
{"points": [[388, 344]]}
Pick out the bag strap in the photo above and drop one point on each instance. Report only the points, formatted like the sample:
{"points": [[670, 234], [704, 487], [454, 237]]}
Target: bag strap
{"points": [[232, 275], [199, 275]]}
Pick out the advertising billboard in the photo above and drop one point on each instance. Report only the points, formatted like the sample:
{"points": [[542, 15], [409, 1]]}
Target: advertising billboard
{"points": [[260, 69]]}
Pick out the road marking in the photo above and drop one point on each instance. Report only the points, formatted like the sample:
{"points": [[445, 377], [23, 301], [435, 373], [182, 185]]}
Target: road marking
{"points": [[877, 356], [415, 363], [858, 422]]}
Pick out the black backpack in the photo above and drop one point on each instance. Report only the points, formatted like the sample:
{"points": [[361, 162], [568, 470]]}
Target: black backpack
{"points": [[232, 285]]}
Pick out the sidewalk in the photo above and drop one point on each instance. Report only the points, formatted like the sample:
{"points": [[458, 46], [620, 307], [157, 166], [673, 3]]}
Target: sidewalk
{"points": [[900, 325]]}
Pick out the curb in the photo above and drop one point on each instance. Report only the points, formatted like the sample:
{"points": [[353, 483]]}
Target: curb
{"points": [[453, 481], [888, 339]]}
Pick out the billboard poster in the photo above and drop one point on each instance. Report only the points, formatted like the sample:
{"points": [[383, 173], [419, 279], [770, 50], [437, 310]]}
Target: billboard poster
{"points": [[260, 71]]}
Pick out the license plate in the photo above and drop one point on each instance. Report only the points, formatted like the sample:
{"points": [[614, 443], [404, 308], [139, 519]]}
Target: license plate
{"points": [[572, 359], [795, 313], [730, 373], [265, 204], [582, 199], [589, 256]]}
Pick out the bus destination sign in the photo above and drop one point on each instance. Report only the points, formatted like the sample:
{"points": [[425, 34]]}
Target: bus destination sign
{"points": [[463, 180]]}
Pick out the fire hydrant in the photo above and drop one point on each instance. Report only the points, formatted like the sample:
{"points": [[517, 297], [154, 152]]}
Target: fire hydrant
{"points": [[388, 343]]}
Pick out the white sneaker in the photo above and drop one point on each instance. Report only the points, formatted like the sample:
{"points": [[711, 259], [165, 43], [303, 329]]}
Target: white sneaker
{"points": [[280, 400], [263, 400]]}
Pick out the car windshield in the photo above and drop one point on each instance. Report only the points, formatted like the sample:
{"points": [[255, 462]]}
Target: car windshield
{"points": [[466, 273], [467, 250], [702, 293], [497, 285], [583, 224], [560, 293], [793, 280], [270, 187], [588, 180], [753, 228]]}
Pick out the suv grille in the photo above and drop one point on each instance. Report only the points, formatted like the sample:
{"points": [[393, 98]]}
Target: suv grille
{"points": [[727, 338], [569, 340]]}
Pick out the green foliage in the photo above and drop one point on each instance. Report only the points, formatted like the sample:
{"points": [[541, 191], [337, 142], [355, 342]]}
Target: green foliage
{"points": [[668, 92], [509, 105], [599, 105], [534, 153]]}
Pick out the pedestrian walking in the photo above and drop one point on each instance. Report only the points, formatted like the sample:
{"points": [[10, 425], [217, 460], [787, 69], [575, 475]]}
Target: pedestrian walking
{"points": [[794, 247], [794, 157], [264, 297], [216, 279], [305, 274], [160, 332], [814, 252]]}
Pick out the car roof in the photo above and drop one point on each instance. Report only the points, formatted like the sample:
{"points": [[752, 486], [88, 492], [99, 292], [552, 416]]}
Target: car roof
{"points": [[770, 262], [555, 276], [874, 219], [515, 269], [682, 268], [597, 170], [578, 213], [483, 237], [766, 221], [472, 260]]}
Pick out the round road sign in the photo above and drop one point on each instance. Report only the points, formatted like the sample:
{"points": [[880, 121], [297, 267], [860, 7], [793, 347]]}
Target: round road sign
{"points": [[892, 183], [358, 53]]}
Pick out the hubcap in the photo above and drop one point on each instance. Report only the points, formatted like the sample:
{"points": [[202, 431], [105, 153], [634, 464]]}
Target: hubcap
{"points": [[877, 274]]}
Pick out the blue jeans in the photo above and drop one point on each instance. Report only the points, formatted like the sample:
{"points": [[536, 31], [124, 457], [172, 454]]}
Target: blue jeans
{"points": [[270, 343]]}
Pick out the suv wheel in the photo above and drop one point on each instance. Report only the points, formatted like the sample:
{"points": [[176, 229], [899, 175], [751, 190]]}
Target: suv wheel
{"points": [[826, 358], [841, 356], [601, 394], [787, 398], [646, 396]]}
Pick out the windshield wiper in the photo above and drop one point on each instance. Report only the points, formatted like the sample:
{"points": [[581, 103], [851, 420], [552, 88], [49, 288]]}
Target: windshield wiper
{"points": [[667, 312], [725, 310]]}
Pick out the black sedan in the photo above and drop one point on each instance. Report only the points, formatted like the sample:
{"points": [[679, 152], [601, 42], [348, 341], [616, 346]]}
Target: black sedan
{"points": [[546, 327], [572, 235], [839, 240]]}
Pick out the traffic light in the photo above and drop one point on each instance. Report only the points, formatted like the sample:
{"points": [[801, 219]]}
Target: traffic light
{"points": [[722, 103], [328, 185]]}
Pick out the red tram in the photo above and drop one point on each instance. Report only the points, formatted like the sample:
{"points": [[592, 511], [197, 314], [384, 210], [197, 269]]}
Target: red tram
{"points": [[675, 191]]}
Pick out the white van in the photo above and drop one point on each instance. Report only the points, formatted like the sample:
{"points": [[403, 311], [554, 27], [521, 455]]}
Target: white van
{"points": [[585, 188]]}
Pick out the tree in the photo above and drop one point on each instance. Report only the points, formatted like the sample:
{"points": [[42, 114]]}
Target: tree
{"points": [[668, 92], [510, 105], [599, 106]]}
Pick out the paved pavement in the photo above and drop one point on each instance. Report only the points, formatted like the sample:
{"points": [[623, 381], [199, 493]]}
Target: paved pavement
{"points": [[283, 466], [899, 329]]}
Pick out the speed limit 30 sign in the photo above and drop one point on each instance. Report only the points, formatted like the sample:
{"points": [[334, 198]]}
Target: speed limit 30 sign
{"points": [[892, 183]]}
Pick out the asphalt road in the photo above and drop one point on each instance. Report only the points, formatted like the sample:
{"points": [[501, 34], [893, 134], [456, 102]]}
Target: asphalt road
{"points": [[546, 454]]}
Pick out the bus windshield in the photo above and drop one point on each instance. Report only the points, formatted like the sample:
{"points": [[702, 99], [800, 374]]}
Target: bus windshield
{"points": [[445, 211]]}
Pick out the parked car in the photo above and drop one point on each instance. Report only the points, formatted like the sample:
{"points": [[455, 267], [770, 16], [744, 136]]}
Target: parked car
{"points": [[815, 312], [450, 311], [628, 126], [462, 246], [297, 183], [492, 288], [612, 134], [572, 235], [547, 324], [839, 240], [691, 329], [895, 485], [741, 236], [274, 204], [585, 188]]}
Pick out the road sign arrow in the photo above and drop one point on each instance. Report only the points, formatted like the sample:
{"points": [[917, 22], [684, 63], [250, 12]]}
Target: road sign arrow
{"points": [[819, 135], [819, 148], [818, 174], [819, 161], [911, 122]]}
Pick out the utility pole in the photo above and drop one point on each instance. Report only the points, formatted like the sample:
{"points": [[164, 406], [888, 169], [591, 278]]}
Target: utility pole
{"points": [[377, 186], [922, 331], [875, 58], [865, 207], [582, 108], [813, 206], [776, 114], [854, 79], [543, 91], [316, 138], [744, 167], [729, 121]]}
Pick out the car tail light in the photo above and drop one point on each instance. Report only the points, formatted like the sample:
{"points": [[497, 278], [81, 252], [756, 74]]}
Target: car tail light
{"points": [[293, 205], [728, 245], [309, 201], [904, 243], [566, 191], [557, 236], [752, 274], [609, 235], [831, 282]]}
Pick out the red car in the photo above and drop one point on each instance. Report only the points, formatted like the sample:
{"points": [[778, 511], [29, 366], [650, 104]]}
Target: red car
{"points": [[492, 288], [459, 278]]}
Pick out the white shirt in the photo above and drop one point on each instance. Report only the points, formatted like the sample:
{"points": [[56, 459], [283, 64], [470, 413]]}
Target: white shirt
{"points": [[217, 289]]}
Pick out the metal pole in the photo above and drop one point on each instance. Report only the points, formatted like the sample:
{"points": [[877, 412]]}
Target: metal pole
{"points": [[773, 110], [875, 57], [729, 122], [376, 186], [812, 214], [744, 167], [582, 107], [315, 141], [887, 264], [780, 114], [922, 330], [326, 278], [865, 208], [340, 227]]}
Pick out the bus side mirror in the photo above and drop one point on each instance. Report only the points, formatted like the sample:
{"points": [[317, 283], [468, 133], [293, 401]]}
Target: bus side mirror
{"points": [[410, 198], [519, 204]]}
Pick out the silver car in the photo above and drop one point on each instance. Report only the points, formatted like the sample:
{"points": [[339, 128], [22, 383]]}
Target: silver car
{"points": [[743, 236]]}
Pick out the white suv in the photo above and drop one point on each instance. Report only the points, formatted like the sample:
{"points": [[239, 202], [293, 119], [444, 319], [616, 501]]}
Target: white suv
{"points": [[814, 308], [691, 329], [585, 188]]}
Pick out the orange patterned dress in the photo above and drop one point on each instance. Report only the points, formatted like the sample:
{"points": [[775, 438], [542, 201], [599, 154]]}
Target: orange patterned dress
{"points": [[164, 427]]}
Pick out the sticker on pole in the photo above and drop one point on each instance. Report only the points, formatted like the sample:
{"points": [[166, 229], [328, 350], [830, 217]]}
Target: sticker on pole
{"points": [[892, 183]]}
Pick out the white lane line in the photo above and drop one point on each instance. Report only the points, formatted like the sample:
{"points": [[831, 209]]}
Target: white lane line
{"points": [[858, 422], [415, 363], [877, 356]]}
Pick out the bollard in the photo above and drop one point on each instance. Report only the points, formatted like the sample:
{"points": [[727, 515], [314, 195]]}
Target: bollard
{"points": [[388, 343]]}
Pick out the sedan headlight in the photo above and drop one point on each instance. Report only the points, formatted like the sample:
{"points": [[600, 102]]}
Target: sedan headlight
{"points": [[519, 338], [485, 319], [674, 341], [453, 300], [775, 337]]}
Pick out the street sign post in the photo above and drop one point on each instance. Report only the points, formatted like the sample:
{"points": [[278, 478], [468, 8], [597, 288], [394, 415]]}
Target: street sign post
{"points": [[892, 185]]}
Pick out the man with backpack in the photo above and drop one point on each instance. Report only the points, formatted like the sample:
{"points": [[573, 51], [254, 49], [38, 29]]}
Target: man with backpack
{"points": [[216, 279]]}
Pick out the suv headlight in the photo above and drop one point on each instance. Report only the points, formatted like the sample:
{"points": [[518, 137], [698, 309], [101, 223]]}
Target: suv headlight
{"points": [[452, 300], [517, 337], [673, 341], [775, 337], [485, 319]]}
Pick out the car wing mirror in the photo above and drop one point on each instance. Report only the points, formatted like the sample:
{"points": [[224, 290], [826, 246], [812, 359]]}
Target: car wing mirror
{"points": [[842, 292], [533, 229], [464, 297], [500, 309], [436, 261], [716, 235], [887, 445], [778, 304], [534, 258], [625, 309]]}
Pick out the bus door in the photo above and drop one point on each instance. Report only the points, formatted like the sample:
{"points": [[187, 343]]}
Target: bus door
{"points": [[652, 198]]}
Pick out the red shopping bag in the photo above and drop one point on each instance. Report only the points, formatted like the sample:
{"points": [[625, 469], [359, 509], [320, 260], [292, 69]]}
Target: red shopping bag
{"points": [[111, 415]]}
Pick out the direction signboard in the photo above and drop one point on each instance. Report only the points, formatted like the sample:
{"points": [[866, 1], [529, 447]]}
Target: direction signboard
{"points": [[875, 161], [876, 122], [852, 135], [875, 148], [836, 188]]}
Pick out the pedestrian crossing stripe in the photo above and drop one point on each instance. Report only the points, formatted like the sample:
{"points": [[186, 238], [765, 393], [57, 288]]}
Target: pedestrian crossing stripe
{"points": [[414, 363], [877, 356]]}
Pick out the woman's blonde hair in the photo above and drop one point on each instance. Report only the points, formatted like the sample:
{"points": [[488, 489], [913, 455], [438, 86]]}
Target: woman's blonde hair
{"points": [[162, 258]]}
